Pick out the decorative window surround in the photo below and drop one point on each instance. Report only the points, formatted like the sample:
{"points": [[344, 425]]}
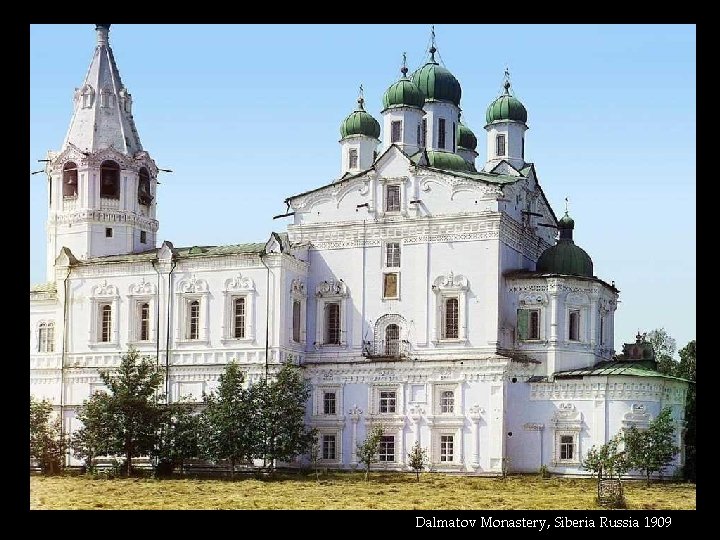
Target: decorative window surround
{"points": [[337, 433], [101, 295], [328, 292], [318, 402], [567, 421], [404, 183], [446, 287], [435, 449], [581, 303], [238, 287], [299, 294], [374, 400], [138, 294], [187, 389], [45, 337], [187, 291], [637, 417]]}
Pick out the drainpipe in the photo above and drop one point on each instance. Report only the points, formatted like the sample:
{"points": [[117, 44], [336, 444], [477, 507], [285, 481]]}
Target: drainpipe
{"points": [[263, 253], [167, 334], [157, 315], [62, 362]]}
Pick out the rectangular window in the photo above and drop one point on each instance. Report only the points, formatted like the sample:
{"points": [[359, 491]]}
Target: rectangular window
{"points": [[419, 135], [446, 447], [567, 447], [194, 320], [454, 136], [106, 323], [352, 158], [387, 402], [390, 285], [395, 131], [239, 318], [144, 322], [500, 145], [392, 199], [528, 324], [108, 232], [296, 321], [329, 399], [386, 451], [447, 402], [450, 322], [392, 254], [602, 329], [46, 337], [332, 323], [143, 237], [574, 325], [441, 133], [522, 152], [424, 133], [328, 447]]}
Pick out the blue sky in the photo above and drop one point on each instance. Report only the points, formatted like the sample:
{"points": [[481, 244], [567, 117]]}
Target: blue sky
{"points": [[246, 115]]}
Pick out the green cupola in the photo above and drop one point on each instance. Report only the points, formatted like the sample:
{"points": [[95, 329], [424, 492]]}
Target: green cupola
{"points": [[466, 138], [565, 257], [436, 83], [360, 122], [403, 93], [506, 107]]}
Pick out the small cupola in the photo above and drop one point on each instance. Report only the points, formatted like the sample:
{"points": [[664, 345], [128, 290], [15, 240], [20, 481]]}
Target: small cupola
{"points": [[359, 138], [506, 124], [403, 113], [565, 257]]}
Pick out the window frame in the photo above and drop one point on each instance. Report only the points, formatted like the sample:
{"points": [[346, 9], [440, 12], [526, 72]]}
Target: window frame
{"points": [[447, 331], [530, 312], [396, 208], [396, 131], [444, 448], [138, 294], [573, 330], [386, 442], [500, 144], [442, 133], [387, 401], [332, 324], [234, 289], [101, 295], [297, 294], [447, 287], [447, 406], [353, 155], [188, 291], [45, 337], [329, 292], [387, 295], [323, 455]]}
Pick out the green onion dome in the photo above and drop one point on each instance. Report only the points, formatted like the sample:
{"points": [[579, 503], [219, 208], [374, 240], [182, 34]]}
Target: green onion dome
{"points": [[466, 138], [506, 107], [360, 122], [448, 161], [436, 82], [404, 93], [565, 257]]}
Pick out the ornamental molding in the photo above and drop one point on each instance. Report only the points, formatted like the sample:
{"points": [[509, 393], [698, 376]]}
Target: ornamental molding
{"points": [[476, 412], [331, 288], [633, 389], [104, 290], [238, 284], [355, 413], [577, 299], [104, 216], [533, 299], [567, 416], [386, 320], [143, 288], [533, 426], [297, 288], [450, 282], [637, 416], [194, 285]]}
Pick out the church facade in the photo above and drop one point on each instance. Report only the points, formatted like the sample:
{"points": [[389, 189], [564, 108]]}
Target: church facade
{"points": [[438, 297]]}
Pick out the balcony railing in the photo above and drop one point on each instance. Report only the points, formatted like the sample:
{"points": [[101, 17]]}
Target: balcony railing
{"points": [[391, 349], [109, 204], [69, 202]]}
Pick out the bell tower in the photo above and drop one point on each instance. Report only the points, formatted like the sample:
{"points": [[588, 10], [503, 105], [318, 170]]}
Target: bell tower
{"points": [[102, 184]]}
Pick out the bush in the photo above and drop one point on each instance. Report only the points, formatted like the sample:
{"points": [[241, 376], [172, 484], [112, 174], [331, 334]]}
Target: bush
{"points": [[544, 472]]}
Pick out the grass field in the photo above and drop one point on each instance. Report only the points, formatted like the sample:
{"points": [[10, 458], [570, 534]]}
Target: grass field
{"points": [[348, 491]]}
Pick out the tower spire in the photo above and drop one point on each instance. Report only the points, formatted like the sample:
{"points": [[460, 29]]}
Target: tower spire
{"points": [[361, 99], [404, 68], [506, 81], [433, 49], [103, 107]]}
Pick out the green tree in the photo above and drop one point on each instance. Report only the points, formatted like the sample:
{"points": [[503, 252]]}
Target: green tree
{"points": [[664, 346], [95, 437], [417, 459], [606, 461], [367, 451], [136, 413], [686, 370], [653, 449], [47, 446], [178, 440], [225, 430], [279, 430]]}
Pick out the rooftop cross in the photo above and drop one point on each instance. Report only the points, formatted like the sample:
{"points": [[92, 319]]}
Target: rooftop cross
{"points": [[433, 49], [404, 68]]}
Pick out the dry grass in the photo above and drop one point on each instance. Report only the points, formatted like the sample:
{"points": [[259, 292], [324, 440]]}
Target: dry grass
{"points": [[348, 491]]}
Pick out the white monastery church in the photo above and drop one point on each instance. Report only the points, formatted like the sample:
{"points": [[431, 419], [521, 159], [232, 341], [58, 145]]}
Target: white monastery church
{"points": [[438, 296]]}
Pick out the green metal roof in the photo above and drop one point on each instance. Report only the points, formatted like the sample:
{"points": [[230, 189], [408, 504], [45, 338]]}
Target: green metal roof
{"points": [[448, 161], [360, 122], [403, 93], [184, 253], [465, 137], [437, 83], [505, 108], [565, 258], [637, 368]]}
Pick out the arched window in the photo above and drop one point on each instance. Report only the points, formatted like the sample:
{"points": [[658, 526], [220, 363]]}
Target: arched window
{"points": [[239, 317], [144, 196], [106, 97], [352, 158], [70, 180], [392, 340], [46, 337], [500, 145], [194, 320], [109, 180], [447, 402], [106, 324], [574, 325], [86, 95], [450, 326], [296, 320], [145, 322]]}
